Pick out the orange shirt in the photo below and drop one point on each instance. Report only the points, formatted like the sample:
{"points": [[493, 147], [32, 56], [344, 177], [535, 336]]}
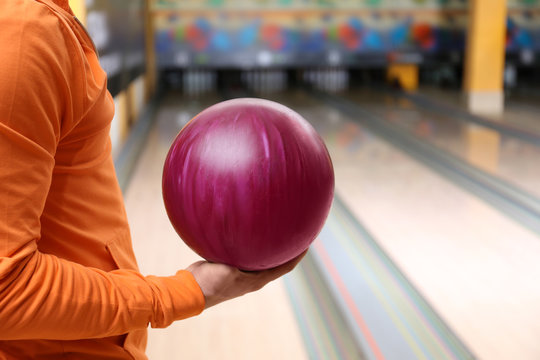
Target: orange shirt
{"points": [[69, 284]]}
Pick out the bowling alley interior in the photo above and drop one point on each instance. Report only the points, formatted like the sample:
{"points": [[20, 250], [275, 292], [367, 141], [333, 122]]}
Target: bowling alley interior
{"points": [[428, 112]]}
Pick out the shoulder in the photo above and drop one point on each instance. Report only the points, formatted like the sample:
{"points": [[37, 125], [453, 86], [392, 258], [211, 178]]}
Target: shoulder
{"points": [[34, 34], [41, 64], [28, 17]]}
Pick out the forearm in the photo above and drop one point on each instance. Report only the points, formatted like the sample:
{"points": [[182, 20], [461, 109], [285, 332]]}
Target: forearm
{"points": [[45, 297]]}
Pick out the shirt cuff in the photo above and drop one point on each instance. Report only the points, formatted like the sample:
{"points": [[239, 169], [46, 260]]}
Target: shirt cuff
{"points": [[180, 297]]}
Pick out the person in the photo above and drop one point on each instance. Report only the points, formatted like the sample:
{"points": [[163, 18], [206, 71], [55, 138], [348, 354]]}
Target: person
{"points": [[69, 282]]}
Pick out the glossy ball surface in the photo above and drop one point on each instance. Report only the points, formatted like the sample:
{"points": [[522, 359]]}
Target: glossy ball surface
{"points": [[248, 183]]}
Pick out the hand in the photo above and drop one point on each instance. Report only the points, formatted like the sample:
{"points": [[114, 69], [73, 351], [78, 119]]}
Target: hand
{"points": [[221, 282]]}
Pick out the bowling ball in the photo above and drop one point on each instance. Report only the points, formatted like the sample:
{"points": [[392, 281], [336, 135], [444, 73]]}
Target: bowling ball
{"points": [[248, 183]]}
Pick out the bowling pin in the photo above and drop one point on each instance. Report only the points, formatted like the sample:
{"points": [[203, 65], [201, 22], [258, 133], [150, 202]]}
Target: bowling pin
{"points": [[197, 82], [204, 81], [187, 82]]}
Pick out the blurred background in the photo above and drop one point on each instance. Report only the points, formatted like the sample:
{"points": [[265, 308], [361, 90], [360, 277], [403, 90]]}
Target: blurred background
{"points": [[430, 111]]}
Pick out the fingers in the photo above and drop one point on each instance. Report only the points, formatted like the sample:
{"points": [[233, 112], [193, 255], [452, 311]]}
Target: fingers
{"points": [[195, 265], [281, 270]]}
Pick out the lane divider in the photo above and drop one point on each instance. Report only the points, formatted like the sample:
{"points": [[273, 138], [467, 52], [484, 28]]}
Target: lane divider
{"points": [[347, 276]]}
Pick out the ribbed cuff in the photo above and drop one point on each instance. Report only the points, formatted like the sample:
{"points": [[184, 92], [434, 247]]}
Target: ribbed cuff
{"points": [[176, 297]]}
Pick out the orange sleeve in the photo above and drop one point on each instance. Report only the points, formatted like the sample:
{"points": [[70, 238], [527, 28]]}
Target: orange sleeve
{"points": [[43, 296]]}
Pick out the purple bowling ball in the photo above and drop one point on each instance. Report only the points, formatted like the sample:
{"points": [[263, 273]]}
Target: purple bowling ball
{"points": [[248, 183]]}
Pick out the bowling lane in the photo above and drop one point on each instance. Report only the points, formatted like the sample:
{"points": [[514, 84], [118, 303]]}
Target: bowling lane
{"points": [[523, 111], [506, 157], [475, 266], [257, 326], [520, 108]]}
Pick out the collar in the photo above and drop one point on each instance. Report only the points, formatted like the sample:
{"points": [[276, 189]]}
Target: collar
{"points": [[64, 4]]}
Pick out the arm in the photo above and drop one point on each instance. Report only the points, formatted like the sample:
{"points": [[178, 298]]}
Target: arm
{"points": [[41, 295]]}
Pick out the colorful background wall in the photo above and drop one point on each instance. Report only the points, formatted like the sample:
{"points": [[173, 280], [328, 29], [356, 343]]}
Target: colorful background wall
{"points": [[240, 33]]}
